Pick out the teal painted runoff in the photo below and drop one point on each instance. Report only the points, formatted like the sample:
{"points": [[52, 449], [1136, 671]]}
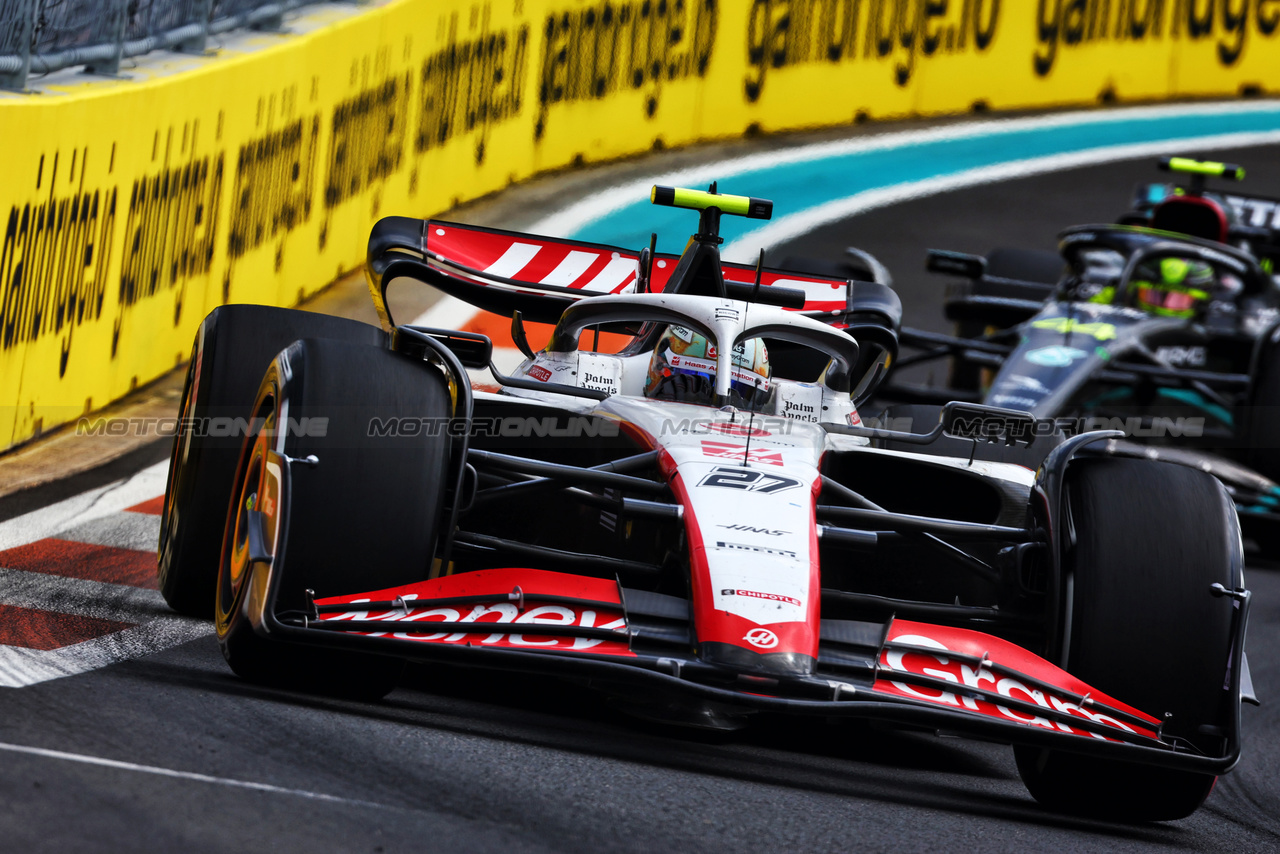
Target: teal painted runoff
{"points": [[794, 187]]}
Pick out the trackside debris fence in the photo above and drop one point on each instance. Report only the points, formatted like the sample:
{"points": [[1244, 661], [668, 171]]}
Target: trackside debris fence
{"points": [[40, 36]]}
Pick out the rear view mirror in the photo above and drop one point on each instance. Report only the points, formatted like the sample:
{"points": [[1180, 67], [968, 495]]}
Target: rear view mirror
{"points": [[992, 424], [472, 349], [956, 264]]}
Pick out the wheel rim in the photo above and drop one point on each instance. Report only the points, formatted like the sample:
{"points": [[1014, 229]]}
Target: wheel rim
{"points": [[252, 490]]}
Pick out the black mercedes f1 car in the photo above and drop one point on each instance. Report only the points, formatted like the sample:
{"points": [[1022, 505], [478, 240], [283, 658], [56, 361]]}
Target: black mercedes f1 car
{"points": [[1169, 337]]}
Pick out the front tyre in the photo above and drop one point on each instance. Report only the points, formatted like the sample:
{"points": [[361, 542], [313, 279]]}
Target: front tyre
{"points": [[233, 346], [363, 517], [1150, 540]]}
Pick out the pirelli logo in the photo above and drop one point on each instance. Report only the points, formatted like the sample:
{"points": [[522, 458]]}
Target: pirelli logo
{"points": [[743, 547]]}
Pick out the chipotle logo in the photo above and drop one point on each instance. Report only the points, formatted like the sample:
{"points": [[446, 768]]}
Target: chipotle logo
{"points": [[753, 594]]}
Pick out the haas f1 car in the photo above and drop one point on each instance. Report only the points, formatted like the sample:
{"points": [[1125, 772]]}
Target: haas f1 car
{"points": [[1170, 337], [694, 519]]}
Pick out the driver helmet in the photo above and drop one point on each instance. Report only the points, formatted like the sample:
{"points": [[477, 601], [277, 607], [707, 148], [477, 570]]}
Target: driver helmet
{"points": [[1172, 287], [683, 368]]}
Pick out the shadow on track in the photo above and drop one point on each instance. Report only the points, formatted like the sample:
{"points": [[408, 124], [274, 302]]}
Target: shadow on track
{"points": [[847, 759]]}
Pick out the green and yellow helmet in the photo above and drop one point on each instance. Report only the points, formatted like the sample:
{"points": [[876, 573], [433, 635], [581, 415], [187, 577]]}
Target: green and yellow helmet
{"points": [[1172, 287]]}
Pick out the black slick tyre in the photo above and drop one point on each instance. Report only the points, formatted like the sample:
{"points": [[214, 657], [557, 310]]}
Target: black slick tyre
{"points": [[232, 349], [1260, 436], [1150, 540], [363, 517], [1025, 265], [1035, 272]]}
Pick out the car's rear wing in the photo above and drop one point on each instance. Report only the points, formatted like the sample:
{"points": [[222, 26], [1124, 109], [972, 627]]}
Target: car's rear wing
{"points": [[1252, 211], [989, 299], [504, 271], [1255, 219]]}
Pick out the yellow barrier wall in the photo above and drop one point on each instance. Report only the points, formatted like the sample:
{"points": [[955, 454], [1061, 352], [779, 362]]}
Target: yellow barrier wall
{"points": [[134, 207]]}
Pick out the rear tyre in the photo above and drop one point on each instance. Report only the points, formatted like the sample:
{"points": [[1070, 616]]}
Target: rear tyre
{"points": [[363, 518], [1041, 268], [1025, 265], [1150, 540], [233, 346], [1260, 436]]}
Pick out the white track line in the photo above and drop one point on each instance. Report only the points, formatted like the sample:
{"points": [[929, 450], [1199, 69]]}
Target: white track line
{"points": [[746, 246], [182, 775], [570, 220], [85, 507]]}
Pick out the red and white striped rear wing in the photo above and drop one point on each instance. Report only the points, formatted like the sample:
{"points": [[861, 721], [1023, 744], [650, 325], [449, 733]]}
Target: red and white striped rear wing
{"points": [[503, 271]]}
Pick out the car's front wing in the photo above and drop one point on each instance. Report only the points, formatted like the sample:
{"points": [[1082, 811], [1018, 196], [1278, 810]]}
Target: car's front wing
{"points": [[942, 678]]}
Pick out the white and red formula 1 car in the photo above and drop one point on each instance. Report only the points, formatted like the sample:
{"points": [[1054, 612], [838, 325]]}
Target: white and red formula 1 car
{"points": [[697, 520]]}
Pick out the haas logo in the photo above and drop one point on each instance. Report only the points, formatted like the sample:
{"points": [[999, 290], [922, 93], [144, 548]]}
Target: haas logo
{"points": [[762, 638]]}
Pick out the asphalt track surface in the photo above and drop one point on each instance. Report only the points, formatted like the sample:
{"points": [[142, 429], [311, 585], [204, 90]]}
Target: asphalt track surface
{"points": [[170, 751]]}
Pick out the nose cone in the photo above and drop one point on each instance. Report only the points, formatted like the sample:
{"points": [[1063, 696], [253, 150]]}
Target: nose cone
{"points": [[756, 663]]}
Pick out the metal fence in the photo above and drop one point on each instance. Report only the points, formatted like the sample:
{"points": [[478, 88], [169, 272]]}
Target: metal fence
{"points": [[38, 36]]}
